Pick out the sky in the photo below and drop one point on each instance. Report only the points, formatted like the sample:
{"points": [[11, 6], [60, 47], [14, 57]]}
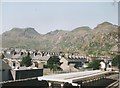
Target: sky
{"points": [[50, 16]]}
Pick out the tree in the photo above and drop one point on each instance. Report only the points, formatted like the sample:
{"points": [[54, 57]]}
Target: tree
{"points": [[68, 85], [95, 64], [26, 61], [116, 61], [54, 63]]}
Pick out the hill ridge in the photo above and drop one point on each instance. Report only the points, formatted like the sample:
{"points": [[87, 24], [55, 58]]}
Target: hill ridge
{"points": [[95, 41]]}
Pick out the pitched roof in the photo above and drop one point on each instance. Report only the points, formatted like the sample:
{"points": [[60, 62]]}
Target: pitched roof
{"points": [[75, 59], [43, 58], [16, 56]]}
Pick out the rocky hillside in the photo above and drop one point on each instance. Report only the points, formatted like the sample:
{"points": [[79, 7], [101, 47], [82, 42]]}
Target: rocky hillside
{"points": [[97, 41]]}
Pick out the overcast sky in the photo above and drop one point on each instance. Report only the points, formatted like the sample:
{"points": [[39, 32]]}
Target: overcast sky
{"points": [[49, 16]]}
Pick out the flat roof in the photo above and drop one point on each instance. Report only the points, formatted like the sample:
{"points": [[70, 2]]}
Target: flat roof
{"points": [[69, 77]]}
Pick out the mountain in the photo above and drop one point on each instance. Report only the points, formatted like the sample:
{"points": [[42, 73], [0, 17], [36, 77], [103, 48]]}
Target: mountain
{"points": [[21, 32], [21, 37], [84, 40]]}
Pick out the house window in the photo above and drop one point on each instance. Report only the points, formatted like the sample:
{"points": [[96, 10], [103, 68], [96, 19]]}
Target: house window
{"points": [[14, 64], [36, 64]]}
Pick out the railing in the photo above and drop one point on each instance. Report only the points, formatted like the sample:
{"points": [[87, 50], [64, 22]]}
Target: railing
{"points": [[17, 80], [114, 85]]}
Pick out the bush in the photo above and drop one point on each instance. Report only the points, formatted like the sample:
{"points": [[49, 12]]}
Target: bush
{"points": [[116, 61], [95, 64], [26, 61]]}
